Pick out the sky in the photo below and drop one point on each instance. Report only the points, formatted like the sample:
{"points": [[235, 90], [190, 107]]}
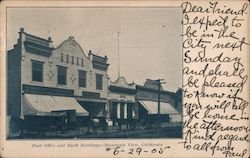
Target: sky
{"points": [[150, 42]]}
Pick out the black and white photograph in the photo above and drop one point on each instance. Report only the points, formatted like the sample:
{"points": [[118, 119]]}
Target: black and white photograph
{"points": [[94, 72]]}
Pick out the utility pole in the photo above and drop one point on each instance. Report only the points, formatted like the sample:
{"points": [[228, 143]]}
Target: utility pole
{"points": [[159, 95]]}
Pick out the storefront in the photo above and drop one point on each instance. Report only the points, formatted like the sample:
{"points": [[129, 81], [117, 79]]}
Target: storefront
{"points": [[122, 107], [42, 112], [149, 111], [54, 86], [157, 104]]}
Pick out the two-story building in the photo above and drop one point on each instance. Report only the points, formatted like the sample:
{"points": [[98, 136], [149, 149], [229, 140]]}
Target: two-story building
{"points": [[52, 82]]}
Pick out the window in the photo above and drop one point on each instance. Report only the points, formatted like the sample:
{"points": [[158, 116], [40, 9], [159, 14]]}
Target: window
{"points": [[82, 78], [37, 71], [82, 62], [62, 75], [73, 61], [67, 58], [62, 57], [77, 61], [99, 81]]}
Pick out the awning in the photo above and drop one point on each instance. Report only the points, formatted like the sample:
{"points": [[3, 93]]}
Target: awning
{"points": [[46, 105], [152, 107]]}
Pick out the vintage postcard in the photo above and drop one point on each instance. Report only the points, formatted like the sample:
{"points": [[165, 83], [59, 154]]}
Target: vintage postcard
{"points": [[124, 79]]}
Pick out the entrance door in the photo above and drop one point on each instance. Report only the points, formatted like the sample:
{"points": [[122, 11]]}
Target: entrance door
{"points": [[129, 111]]}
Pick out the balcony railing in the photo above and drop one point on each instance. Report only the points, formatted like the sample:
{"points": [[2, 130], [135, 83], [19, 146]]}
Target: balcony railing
{"points": [[37, 40]]}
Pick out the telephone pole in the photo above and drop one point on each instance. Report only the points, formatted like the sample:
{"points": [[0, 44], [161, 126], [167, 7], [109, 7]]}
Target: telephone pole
{"points": [[159, 83]]}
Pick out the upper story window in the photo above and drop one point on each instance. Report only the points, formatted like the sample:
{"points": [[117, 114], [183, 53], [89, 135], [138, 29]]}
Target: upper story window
{"points": [[62, 57], [61, 75], [67, 58], [82, 78], [37, 71], [73, 60], [77, 60], [82, 62], [99, 81]]}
